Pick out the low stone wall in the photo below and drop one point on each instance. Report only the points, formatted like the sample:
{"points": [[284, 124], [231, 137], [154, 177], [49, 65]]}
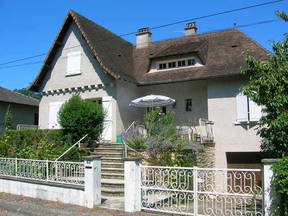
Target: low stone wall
{"points": [[206, 156], [48, 191]]}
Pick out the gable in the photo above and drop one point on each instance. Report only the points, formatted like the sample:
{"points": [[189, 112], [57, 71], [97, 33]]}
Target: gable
{"points": [[113, 55], [59, 74]]}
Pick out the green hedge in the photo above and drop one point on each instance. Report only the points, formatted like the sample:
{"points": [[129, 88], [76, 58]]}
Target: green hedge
{"points": [[38, 144]]}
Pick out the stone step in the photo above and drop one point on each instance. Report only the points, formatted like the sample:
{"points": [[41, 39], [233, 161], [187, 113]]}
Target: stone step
{"points": [[112, 165], [104, 149], [112, 192], [112, 170], [112, 183], [112, 175], [112, 160], [108, 155], [110, 145]]}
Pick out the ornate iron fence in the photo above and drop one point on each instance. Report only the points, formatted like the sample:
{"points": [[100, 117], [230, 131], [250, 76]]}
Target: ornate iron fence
{"points": [[43, 170], [201, 191]]}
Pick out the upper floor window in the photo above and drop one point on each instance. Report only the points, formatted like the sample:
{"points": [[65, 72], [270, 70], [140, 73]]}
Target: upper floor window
{"points": [[188, 103], [176, 64], [247, 110], [73, 63]]}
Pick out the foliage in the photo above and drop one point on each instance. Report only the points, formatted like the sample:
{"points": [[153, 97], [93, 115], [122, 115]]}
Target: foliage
{"points": [[163, 144], [268, 87], [38, 144], [8, 119], [28, 93], [280, 181], [282, 15], [79, 117]]}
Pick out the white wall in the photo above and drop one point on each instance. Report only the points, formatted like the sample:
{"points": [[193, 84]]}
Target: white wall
{"points": [[229, 137], [91, 74], [195, 90], [42, 191]]}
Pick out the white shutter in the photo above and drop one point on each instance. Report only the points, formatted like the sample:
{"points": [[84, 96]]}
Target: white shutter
{"points": [[255, 111], [54, 108], [73, 62], [108, 122], [242, 107]]}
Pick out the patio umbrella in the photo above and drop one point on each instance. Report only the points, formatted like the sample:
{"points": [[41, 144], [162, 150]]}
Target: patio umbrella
{"points": [[152, 101]]}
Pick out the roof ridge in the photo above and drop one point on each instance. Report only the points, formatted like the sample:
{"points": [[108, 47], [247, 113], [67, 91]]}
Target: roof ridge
{"points": [[196, 35], [99, 26]]}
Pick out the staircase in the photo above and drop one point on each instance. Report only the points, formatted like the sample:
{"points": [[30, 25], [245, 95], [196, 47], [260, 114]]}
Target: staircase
{"points": [[112, 169]]}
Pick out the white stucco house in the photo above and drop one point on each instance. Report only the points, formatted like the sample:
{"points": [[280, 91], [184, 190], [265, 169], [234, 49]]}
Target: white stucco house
{"points": [[200, 71]]}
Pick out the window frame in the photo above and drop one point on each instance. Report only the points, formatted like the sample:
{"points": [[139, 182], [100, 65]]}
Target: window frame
{"points": [[179, 63], [188, 105]]}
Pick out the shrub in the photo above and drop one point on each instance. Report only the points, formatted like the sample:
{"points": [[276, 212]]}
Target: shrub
{"points": [[280, 180], [8, 119], [38, 144], [163, 145], [79, 117]]}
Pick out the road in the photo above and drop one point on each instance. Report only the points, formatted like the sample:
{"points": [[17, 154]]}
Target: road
{"points": [[12, 205]]}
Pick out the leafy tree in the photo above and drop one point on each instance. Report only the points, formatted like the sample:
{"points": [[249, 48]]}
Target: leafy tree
{"points": [[79, 117], [28, 93], [8, 119], [268, 87]]}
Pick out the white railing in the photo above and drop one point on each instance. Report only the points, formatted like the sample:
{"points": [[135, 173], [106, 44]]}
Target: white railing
{"points": [[206, 130], [26, 126], [201, 191], [76, 143], [127, 147], [43, 170]]}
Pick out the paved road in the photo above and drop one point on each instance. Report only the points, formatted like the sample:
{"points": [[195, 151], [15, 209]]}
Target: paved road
{"points": [[12, 205]]}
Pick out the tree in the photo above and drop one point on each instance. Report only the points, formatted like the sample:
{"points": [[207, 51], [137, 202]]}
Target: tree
{"points": [[79, 117], [268, 87], [28, 93], [8, 119]]}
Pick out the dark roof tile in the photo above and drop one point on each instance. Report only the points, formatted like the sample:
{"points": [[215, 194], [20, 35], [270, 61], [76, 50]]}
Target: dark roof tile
{"points": [[9, 96]]}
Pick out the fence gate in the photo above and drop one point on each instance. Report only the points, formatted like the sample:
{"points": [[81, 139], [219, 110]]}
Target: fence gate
{"points": [[201, 191]]}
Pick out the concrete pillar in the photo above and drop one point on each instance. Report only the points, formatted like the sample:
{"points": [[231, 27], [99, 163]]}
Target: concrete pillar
{"points": [[269, 194], [92, 181], [132, 189]]}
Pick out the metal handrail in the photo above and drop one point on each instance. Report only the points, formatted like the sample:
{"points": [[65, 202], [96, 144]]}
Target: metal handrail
{"points": [[78, 142], [126, 147]]}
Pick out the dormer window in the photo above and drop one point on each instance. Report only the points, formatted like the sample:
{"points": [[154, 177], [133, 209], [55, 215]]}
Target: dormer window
{"points": [[191, 62], [171, 64], [182, 63], [162, 66]]}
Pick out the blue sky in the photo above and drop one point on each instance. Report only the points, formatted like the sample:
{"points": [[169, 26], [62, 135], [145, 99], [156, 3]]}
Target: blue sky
{"points": [[29, 27]]}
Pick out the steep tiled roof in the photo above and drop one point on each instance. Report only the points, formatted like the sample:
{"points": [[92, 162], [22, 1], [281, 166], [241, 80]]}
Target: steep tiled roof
{"points": [[221, 52], [14, 97]]}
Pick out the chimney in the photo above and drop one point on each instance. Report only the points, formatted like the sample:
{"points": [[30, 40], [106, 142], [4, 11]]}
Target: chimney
{"points": [[143, 37], [190, 28]]}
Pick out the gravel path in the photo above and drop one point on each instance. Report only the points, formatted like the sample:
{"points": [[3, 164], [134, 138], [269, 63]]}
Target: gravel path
{"points": [[12, 205]]}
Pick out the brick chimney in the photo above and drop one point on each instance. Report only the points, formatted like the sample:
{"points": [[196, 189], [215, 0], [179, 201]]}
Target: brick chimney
{"points": [[190, 28], [143, 37]]}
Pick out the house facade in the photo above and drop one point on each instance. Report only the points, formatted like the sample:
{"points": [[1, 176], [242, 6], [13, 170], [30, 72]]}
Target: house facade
{"points": [[24, 109], [200, 71]]}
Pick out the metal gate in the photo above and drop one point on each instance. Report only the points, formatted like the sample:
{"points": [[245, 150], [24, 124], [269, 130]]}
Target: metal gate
{"points": [[201, 191]]}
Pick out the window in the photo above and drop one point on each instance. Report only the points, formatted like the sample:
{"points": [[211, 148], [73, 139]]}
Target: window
{"points": [[181, 63], [190, 62], [98, 101], [171, 64], [73, 63], [188, 105], [36, 117], [162, 66], [247, 110]]}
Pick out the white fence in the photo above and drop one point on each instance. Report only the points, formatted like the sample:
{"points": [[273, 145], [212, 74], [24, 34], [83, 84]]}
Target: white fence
{"points": [[43, 170], [25, 126], [193, 191]]}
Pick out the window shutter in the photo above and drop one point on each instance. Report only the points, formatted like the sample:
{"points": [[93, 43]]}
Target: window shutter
{"points": [[54, 108], [242, 107], [73, 62], [255, 111]]}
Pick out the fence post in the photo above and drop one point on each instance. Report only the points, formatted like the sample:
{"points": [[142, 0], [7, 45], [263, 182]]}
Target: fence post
{"points": [[92, 179], [269, 194], [132, 188], [195, 188]]}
